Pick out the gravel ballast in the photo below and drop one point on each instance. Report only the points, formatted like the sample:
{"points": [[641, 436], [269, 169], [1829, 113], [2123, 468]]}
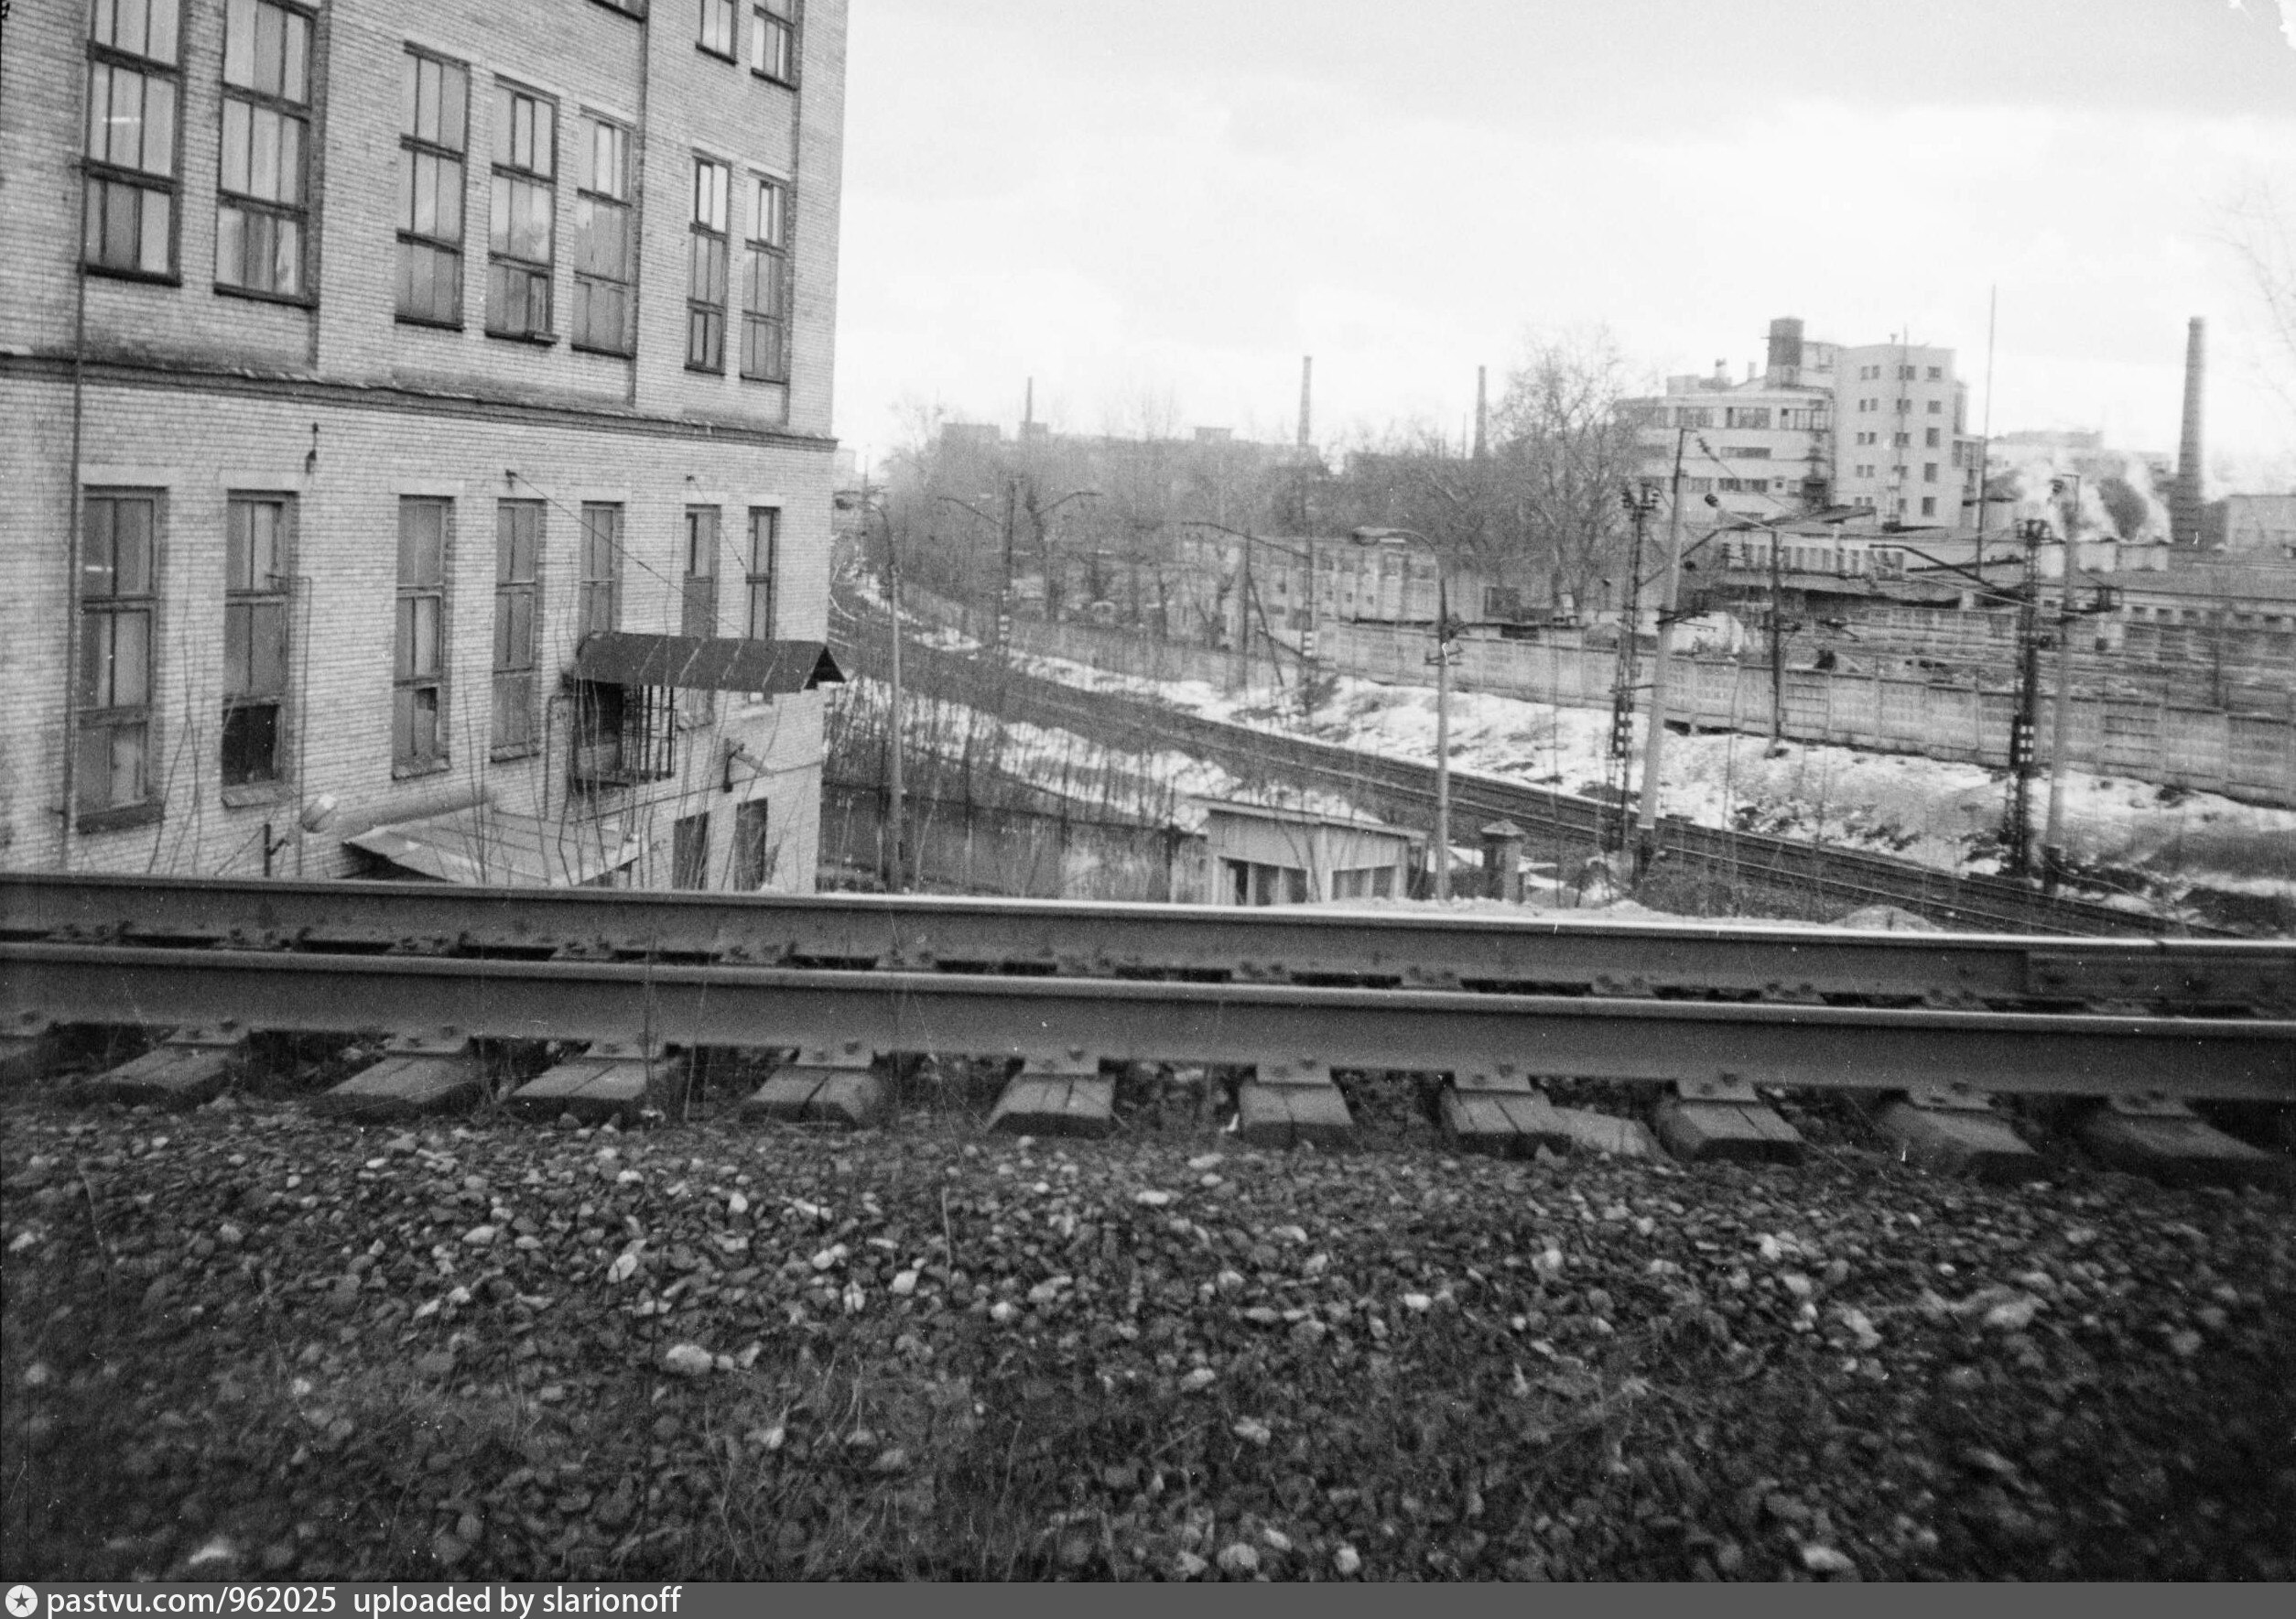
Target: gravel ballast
{"points": [[244, 1341]]}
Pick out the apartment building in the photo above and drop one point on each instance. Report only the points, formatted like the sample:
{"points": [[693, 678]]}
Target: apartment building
{"points": [[1879, 428], [419, 458]]}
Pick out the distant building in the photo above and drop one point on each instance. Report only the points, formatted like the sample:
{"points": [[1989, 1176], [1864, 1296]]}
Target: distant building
{"points": [[2260, 528], [1879, 428]]}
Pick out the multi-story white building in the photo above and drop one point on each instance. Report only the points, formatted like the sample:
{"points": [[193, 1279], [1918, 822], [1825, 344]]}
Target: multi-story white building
{"points": [[419, 451], [1879, 427]]}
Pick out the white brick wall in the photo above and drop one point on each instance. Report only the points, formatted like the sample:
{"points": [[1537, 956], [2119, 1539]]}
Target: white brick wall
{"points": [[200, 394]]}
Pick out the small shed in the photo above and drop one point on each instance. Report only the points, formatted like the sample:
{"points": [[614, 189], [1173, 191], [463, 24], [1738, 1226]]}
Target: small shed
{"points": [[1260, 854]]}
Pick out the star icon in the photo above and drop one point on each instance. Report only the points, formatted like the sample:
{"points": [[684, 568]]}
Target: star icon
{"points": [[22, 1602]]}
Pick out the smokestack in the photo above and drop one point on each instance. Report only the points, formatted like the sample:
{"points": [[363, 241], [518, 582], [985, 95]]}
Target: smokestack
{"points": [[1307, 388], [2184, 499], [1785, 350], [1482, 414], [1028, 410]]}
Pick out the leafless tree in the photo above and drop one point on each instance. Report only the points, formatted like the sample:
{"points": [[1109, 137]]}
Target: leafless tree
{"points": [[1566, 449], [2256, 228]]}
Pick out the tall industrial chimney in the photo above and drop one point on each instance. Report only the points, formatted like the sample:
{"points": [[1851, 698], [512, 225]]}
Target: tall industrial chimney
{"points": [[1306, 381], [1482, 414], [2184, 497]]}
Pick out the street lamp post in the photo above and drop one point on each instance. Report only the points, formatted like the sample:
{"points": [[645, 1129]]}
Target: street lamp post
{"points": [[1444, 635]]}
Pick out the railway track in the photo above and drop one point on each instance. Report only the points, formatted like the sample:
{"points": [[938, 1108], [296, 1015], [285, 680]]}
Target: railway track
{"points": [[1403, 789], [1066, 986]]}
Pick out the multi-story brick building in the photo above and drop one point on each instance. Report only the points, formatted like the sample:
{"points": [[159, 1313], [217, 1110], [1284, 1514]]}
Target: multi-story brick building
{"points": [[418, 442]]}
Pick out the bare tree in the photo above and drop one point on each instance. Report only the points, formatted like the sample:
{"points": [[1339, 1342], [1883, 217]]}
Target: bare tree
{"points": [[1566, 449], [2256, 231]]}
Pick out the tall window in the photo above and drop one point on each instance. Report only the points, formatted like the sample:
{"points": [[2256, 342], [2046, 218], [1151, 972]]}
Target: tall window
{"points": [[705, 279], [524, 218], [765, 307], [418, 737], [134, 83], [259, 220], [689, 852], [716, 28], [752, 855], [118, 537], [517, 602], [764, 544], [434, 130], [258, 532], [604, 260], [598, 596], [698, 613], [773, 40]]}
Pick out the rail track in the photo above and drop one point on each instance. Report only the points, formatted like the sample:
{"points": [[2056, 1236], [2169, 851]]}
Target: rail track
{"points": [[1403, 789], [1067, 985]]}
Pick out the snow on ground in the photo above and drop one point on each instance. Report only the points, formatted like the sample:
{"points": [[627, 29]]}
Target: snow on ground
{"points": [[1938, 812]]}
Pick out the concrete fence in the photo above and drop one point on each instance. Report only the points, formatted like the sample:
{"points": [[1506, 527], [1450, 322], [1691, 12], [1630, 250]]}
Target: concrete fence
{"points": [[2246, 757]]}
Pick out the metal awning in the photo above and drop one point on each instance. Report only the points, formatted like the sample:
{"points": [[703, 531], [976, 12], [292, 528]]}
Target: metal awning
{"points": [[484, 845], [706, 663]]}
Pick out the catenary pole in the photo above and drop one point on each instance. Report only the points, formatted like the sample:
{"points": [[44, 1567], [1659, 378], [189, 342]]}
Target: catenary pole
{"points": [[1654, 742]]}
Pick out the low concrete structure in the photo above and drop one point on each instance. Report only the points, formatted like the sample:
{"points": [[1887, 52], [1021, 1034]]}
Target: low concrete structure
{"points": [[1262, 855], [191, 1066], [824, 1086], [1724, 1120], [416, 1077], [609, 1081]]}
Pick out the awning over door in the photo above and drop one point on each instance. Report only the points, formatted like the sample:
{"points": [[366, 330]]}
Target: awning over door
{"points": [[706, 663], [485, 846]]}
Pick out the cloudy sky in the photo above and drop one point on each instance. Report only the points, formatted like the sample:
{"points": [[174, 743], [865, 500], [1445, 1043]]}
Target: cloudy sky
{"points": [[1156, 210]]}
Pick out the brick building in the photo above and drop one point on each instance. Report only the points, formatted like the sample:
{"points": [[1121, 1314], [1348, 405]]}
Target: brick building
{"points": [[419, 451]]}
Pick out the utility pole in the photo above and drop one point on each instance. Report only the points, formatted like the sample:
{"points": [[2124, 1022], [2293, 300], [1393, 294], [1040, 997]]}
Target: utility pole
{"points": [[1443, 732], [1004, 601], [1776, 648], [898, 809], [1654, 744], [1638, 502], [2053, 836], [2017, 829]]}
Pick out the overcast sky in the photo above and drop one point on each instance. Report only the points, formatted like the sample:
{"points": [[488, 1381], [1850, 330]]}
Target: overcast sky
{"points": [[1156, 210]]}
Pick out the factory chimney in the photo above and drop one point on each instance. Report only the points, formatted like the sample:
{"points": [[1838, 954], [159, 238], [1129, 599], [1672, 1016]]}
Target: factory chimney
{"points": [[1306, 380], [1482, 414], [2185, 496]]}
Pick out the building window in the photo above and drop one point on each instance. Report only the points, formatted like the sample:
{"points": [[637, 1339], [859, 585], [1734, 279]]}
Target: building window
{"points": [[134, 84], [1937, 407], [119, 537], [523, 221], [518, 619], [765, 546], [689, 852], [1937, 374], [1929, 472], [1745, 415], [752, 856], [1929, 438], [1929, 506], [766, 317], [598, 596], [773, 40], [716, 28], [418, 732], [257, 537], [697, 600], [260, 217], [705, 276], [604, 253], [434, 130]]}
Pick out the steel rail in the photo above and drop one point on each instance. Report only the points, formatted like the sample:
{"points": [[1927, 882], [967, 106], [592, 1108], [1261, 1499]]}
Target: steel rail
{"points": [[1529, 953], [1857, 876], [1820, 1047]]}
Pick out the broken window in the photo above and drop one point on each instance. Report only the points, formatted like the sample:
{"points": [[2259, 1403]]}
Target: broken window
{"points": [[518, 619], [257, 537], [119, 536], [259, 221], [597, 597], [418, 736], [689, 852], [522, 218], [134, 83], [752, 856]]}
